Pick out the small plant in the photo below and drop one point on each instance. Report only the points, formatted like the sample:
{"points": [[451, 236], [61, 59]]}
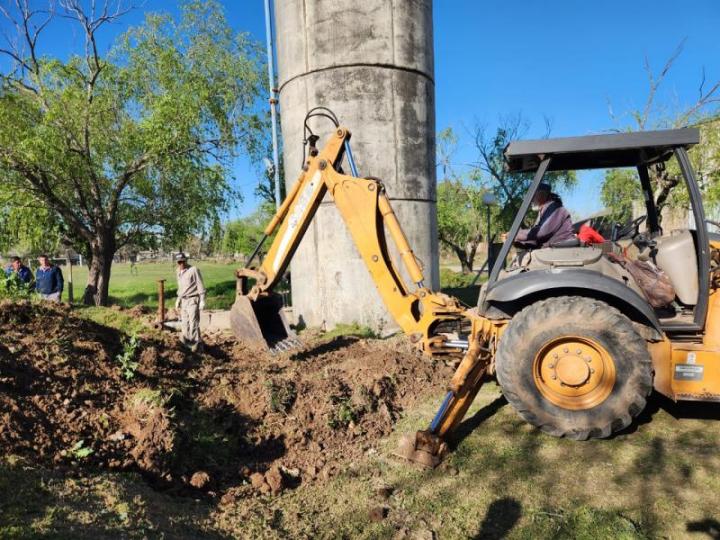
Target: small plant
{"points": [[281, 395], [11, 287], [345, 410], [343, 414], [126, 359], [80, 451], [147, 396]]}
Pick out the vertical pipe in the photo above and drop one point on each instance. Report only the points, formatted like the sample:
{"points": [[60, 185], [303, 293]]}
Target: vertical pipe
{"points": [[273, 103], [489, 245], [71, 298], [161, 301]]}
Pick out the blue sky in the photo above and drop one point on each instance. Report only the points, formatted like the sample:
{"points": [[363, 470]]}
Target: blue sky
{"points": [[563, 59]]}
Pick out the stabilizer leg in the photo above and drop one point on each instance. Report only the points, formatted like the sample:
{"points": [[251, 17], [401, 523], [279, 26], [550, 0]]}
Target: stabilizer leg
{"points": [[428, 447]]}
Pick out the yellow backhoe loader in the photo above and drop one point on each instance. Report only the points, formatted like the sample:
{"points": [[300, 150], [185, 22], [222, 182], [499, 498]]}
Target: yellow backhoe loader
{"points": [[570, 336]]}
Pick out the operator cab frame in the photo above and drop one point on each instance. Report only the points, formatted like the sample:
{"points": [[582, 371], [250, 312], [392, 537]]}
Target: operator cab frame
{"points": [[624, 150]]}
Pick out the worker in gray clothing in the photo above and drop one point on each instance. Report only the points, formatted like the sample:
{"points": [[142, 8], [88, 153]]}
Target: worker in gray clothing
{"points": [[191, 301]]}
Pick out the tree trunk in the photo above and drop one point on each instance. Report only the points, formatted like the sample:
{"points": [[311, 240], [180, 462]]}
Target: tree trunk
{"points": [[465, 266], [470, 251], [102, 251]]}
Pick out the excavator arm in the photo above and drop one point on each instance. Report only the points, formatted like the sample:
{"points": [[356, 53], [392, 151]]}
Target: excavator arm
{"points": [[435, 322], [368, 214]]}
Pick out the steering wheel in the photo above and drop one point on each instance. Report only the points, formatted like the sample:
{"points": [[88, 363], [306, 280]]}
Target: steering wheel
{"points": [[632, 227]]}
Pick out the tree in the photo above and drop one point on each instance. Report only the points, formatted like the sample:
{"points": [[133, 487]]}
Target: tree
{"points": [[510, 188], [132, 147], [620, 189], [242, 235], [459, 205]]}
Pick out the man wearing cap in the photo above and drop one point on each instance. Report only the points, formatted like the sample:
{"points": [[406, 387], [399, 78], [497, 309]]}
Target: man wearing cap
{"points": [[191, 300], [553, 223]]}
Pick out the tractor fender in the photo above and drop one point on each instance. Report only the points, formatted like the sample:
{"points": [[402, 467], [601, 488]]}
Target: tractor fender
{"points": [[517, 291]]}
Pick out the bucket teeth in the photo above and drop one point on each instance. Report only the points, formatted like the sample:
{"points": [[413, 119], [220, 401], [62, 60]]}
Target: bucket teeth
{"points": [[286, 344]]}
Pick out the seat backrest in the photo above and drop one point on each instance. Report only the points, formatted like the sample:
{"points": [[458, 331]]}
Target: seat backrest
{"points": [[577, 256]]}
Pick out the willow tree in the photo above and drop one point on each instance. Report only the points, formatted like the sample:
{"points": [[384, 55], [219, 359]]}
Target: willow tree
{"points": [[135, 145]]}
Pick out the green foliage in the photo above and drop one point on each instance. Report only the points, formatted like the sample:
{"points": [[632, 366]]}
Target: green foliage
{"points": [[343, 413], [242, 235], [621, 187], [461, 213], [26, 224], [148, 396], [126, 359], [11, 287], [462, 224], [134, 147], [451, 279], [354, 329], [120, 320], [510, 188], [80, 451], [281, 395]]}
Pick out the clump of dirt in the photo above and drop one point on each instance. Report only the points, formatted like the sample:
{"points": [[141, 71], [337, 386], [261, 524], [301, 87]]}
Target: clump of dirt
{"points": [[232, 420]]}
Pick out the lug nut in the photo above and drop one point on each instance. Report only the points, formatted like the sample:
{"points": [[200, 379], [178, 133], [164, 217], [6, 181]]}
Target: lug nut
{"points": [[565, 350], [578, 352]]}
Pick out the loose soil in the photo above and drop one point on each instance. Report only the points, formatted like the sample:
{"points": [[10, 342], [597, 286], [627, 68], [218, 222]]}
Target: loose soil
{"points": [[230, 422]]}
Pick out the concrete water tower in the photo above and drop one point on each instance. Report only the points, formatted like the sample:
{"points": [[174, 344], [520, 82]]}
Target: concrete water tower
{"points": [[371, 62]]}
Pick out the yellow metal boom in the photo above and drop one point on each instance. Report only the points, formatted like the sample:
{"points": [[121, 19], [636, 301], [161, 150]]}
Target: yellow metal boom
{"points": [[435, 322]]}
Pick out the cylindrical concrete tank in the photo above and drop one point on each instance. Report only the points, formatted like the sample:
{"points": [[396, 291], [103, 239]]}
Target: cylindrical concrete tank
{"points": [[371, 62]]}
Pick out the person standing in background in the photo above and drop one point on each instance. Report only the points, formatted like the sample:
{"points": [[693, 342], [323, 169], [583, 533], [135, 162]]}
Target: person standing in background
{"points": [[20, 272], [191, 301], [48, 280]]}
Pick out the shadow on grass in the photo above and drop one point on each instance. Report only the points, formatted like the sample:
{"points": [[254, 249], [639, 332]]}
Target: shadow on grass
{"points": [[709, 526], [680, 410], [502, 515], [469, 425], [37, 503]]}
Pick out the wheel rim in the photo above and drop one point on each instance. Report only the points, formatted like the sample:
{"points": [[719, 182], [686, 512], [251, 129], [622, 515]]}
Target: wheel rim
{"points": [[574, 372]]}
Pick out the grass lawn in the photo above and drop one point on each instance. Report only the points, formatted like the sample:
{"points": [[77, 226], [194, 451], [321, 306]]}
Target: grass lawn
{"points": [[128, 290]]}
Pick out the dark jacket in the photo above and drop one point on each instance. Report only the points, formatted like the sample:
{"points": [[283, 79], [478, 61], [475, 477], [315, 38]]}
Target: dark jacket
{"points": [[49, 281], [23, 274], [553, 224]]}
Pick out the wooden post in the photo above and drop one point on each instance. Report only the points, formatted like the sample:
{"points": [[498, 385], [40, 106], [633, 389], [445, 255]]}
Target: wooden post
{"points": [[71, 299], [161, 301]]}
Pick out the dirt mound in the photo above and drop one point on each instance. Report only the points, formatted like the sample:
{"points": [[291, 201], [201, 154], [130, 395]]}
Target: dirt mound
{"points": [[232, 420]]}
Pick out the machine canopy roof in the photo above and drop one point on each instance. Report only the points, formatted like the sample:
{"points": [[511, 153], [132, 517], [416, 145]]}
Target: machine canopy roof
{"points": [[599, 151]]}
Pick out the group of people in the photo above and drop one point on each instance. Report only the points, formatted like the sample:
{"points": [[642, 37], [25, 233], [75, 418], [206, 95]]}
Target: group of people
{"points": [[47, 281]]}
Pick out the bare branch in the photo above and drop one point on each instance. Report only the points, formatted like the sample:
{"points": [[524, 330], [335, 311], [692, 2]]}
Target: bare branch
{"points": [[655, 82]]}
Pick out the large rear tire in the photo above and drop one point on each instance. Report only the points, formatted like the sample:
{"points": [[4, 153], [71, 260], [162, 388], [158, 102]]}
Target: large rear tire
{"points": [[574, 367]]}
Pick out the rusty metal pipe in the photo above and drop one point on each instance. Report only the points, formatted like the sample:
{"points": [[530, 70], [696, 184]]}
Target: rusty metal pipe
{"points": [[161, 301]]}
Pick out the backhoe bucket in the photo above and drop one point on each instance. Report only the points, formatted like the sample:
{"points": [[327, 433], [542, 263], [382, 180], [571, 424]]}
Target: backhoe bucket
{"points": [[263, 322], [422, 448]]}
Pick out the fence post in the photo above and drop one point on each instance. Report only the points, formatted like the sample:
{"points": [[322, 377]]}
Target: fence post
{"points": [[161, 302]]}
